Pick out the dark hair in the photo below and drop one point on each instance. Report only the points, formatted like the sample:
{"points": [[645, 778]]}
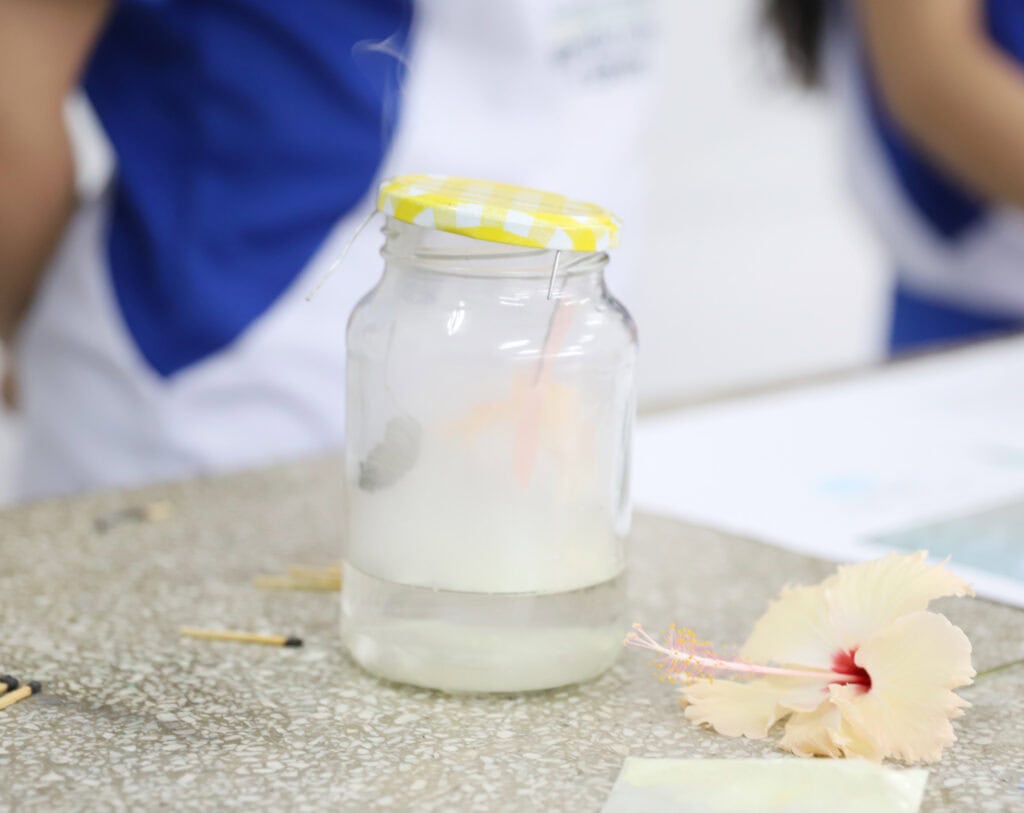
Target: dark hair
{"points": [[799, 26]]}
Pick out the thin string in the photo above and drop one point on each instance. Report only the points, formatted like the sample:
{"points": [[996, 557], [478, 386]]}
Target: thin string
{"points": [[554, 274], [341, 257], [551, 322]]}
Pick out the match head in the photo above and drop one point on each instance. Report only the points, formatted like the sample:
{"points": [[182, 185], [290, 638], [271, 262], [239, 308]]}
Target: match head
{"points": [[35, 686], [10, 682], [293, 642]]}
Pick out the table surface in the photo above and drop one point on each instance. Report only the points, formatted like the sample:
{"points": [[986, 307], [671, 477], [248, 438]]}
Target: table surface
{"points": [[133, 716]]}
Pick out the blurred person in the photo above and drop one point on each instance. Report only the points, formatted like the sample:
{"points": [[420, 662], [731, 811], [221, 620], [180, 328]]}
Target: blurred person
{"points": [[933, 102], [159, 324]]}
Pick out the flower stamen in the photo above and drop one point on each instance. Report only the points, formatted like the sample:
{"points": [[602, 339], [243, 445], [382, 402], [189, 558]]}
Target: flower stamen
{"points": [[693, 660]]}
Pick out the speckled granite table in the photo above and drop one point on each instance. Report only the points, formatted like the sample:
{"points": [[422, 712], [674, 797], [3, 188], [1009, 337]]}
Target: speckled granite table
{"points": [[134, 717]]}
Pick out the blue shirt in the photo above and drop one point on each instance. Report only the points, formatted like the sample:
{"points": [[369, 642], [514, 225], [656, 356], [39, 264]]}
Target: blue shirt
{"points": [[243, 129]]}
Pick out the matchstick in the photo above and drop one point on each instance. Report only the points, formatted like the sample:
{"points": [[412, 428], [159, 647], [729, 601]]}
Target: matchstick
{"points": [[288, 583], [13, 697], [303, 577], [308, 572], [8, 684], [243, 637]]}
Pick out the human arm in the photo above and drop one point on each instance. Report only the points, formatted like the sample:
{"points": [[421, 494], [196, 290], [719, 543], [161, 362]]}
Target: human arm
{"points": [[43, 47], [951, 89]]}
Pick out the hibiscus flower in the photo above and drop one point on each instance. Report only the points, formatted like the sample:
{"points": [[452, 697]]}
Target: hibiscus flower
{"points": [[856, 666]]}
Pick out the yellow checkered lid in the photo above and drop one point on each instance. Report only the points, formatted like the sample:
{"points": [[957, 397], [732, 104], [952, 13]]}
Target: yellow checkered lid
{"points": [[498, 212]]}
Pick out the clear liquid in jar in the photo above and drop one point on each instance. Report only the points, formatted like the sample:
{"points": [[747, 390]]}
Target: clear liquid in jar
{"points": [[460, 641]]}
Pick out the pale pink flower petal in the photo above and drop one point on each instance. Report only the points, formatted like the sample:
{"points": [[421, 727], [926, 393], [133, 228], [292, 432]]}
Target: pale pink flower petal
{"points": [[914, 664], [749, 709], [824, 733], [808, 625], [854, 743], [864, 597], [814, 733], [793, 630]]}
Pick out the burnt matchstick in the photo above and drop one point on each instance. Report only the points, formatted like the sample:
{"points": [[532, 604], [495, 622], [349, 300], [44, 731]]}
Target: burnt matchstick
{"points": [[156, 511], [242, 637], [29, 689], [8, 684]]}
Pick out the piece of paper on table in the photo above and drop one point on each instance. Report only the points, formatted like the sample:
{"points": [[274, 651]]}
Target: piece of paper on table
{"points": [[764, 785], [926, 454]]}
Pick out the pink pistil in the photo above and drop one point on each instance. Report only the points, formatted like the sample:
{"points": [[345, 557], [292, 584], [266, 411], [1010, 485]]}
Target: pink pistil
{"points": [[695, 665], [845, 663]]}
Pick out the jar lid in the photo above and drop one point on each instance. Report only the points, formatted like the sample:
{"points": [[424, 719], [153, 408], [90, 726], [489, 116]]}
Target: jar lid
{"points": [[498, 212]]}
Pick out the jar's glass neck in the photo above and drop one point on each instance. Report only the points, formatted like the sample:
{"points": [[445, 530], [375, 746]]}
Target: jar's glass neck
{"points": [[430, 250]]}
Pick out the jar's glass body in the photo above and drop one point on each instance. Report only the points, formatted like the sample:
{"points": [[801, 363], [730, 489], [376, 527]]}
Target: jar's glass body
{"points": [[488, 448]]}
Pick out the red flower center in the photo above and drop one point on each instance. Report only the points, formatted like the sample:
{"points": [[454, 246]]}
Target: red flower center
{"points": [[843, 663]]}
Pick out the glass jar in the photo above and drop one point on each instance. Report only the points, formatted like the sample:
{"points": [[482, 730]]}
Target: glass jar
{"points": [[487, 459]]}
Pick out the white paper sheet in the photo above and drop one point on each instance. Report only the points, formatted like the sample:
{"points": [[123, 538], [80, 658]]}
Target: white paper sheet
{"points": [[926, 454], [765, 786]]}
